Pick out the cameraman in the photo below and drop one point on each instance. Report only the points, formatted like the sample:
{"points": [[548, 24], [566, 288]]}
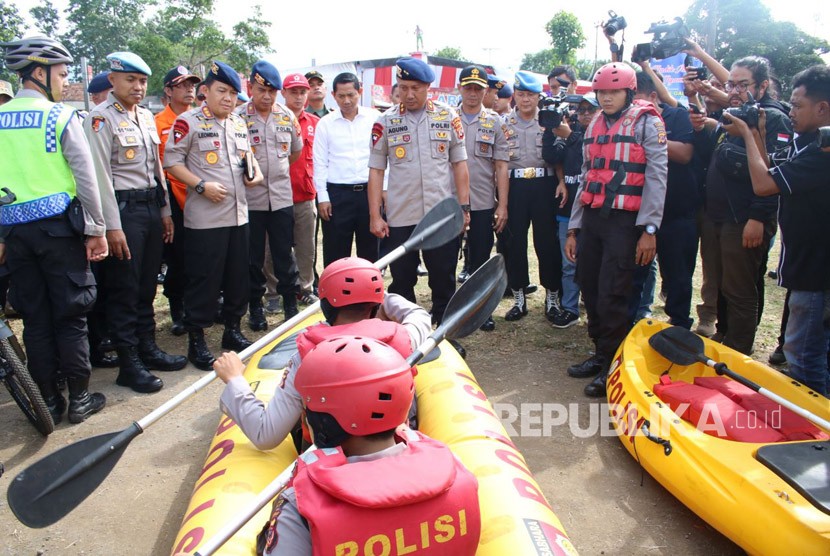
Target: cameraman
{"points": [[562, 148], [737, 224], [799, 173], [562, 76]]}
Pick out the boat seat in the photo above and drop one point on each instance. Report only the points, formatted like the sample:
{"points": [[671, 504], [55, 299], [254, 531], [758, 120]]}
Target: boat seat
{"points": [[789, 423], [280, 354], [803, 465], [714, 413]]}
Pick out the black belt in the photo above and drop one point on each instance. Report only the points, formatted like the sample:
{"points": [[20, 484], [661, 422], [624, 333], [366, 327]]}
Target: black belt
{"points": [[348, 186], [137, 195]]}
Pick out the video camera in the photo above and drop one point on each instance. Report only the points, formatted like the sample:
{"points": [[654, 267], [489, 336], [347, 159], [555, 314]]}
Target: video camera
{"points": [[748, 112], [552, 110], [669, 39], [615, 23]]}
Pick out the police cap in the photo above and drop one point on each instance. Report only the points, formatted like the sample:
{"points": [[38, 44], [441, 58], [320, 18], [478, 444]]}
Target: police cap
{"points": [[414, 69], [99, 83], [473, 75], [506, 91], [179, 74], [6, 89], [493, 81], [223, 73], [314, 74], [128, 62], [526, 81], [266, 74]]}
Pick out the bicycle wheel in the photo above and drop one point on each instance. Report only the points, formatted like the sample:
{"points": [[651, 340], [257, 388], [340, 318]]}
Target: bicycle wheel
{"points": [[24, 391]]}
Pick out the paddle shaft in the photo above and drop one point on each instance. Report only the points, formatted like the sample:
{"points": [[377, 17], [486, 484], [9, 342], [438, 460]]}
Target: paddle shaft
{"points": [[722, 369]]}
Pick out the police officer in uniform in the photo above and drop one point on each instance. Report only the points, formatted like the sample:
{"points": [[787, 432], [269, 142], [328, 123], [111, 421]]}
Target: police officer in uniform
{"points": [[534, 195], [124, 145], [487, 162], [277, 142], [47, 162], [99, 87], [207, 151], [423, 143]]}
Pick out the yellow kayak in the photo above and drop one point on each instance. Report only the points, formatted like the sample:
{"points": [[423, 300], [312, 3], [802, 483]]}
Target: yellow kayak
{"points": [[516, 518], [755, 471]]}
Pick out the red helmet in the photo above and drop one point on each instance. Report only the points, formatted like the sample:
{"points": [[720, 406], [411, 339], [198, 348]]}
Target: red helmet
{"points": [[351, 280], [364, 384], [615, 75]]}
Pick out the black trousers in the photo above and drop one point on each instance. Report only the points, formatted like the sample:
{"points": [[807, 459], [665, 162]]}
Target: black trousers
{"points": [[131, 284], [480, 238], [175, 280], [349, 219], [440, 262], [52, 288], [605, 269], [216, 260], [279, 226], [97, 317], [533, 201]]}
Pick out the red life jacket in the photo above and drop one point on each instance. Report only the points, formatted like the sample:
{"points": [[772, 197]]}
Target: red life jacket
{"points": [[422, 501], [390, 333], [618, 162]]}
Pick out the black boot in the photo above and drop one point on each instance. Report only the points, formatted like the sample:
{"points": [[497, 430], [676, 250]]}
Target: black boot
{"points": [[177, 316], [488, 325], [596, 388], [256, 316], [588, 368], [289, 304], [82, 404], [55, 402], [198, 352], [134, 374], [519, 308], [233, 339], [154, 358], [99, 358]]}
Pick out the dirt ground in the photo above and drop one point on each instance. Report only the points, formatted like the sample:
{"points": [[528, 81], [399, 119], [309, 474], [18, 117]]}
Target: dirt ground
{"points": [[605, 501]]}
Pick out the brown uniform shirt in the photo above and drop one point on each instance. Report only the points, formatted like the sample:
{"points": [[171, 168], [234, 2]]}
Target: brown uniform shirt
{"points": [[486, 143], [213, 151], [272, 140], [524, 142], [421, 149]]}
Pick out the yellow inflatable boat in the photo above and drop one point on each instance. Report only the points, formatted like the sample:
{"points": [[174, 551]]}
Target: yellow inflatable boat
{"points": [[754, 470], [516, 518]]}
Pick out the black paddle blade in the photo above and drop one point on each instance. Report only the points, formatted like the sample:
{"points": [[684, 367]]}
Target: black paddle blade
{"points": [[475, 300], [443, 223], [678, 345], [49, 489]]}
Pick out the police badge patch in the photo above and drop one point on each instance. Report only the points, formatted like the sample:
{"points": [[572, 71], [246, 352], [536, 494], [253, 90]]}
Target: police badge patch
{"points": [[456, 125], [180, 130], [97, 122], [377, 133]]}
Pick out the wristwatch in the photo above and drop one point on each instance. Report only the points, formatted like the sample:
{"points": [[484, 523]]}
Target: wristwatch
{"points": [[465, 208], [650, 229], [200, 187]]}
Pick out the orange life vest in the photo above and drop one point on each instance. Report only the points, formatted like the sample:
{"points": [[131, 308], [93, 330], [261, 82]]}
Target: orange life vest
{"points": [[617, 161]]}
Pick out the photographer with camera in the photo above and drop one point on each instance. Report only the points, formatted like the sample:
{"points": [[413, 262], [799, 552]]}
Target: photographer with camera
{"points": [[737, 223], [617, 213], [609, 29], [562, 77], [678, 236], [799, 174], [562, 148]]}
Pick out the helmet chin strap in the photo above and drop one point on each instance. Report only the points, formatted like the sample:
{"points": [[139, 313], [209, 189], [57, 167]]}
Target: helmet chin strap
{"points": [[47, 89]]}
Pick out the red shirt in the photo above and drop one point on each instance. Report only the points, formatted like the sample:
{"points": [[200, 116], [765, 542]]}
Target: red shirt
{"points": [[302, 171]]}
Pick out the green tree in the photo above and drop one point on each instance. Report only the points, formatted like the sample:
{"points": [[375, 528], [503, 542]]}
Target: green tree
{"points": [[451, 52], [46, 18], [250, 41], [99, 27], [585, 68], [10, 26], [539, 62], [732, 29], [566, 36]]}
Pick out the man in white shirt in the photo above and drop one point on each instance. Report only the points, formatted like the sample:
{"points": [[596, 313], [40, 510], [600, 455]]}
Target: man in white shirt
{"points": [[341, 173]]}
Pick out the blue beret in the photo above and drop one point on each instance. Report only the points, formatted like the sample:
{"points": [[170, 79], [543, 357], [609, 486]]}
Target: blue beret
{"points": [[223, 73], [99, 83], [266, 74], [493, 81], [242, 97], [414, 69], [506, 91], [526, 81], [127, 62]]}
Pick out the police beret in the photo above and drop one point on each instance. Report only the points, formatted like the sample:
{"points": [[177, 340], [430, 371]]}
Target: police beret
{"points": [[506, 91], [127, 62], [242, 97], [473, 75], [493, 81], [314, 74], [178, 75], [99, 83], [526, 81], [266, 75], [222, 72], [295, 80], [414, 69], [6, 89]]}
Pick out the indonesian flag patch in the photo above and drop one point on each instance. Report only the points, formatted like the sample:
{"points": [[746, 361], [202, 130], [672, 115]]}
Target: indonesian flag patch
{"points": [[783, 137]]}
